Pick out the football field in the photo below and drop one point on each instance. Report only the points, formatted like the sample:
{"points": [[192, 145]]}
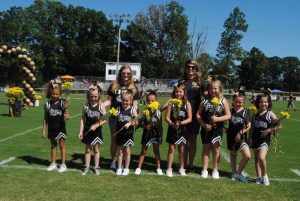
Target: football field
{"points": [[25, 155]]}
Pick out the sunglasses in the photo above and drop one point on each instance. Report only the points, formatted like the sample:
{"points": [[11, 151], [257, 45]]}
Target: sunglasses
{"points": [[125, 73], [192, 67]]}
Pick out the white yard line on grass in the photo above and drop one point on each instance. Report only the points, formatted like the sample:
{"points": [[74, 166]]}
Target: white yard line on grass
{"points": [[296, 171], [7, 160], [28, 131], [104, 171], [227, 158]]}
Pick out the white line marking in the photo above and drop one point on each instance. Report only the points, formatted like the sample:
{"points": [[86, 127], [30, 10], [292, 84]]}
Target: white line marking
{"points": [[105, 171], [28, 131], [7, 160], [296, 171], [227, 158]]}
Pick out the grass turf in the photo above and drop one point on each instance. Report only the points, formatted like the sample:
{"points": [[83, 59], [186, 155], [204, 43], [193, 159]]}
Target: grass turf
{"points": [[25, 177]]}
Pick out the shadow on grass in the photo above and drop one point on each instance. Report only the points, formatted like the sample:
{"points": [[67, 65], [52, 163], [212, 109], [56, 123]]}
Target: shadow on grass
{"points": [[5, 115], [34, 160]]}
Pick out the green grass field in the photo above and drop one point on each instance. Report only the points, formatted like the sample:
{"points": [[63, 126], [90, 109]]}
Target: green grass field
{"points": [[24, 157]]}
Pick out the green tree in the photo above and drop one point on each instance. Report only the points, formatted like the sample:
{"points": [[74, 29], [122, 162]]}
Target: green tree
{"points": [[252, 69], [159, 40], [273, 73], [229, 50], [291, 73]]}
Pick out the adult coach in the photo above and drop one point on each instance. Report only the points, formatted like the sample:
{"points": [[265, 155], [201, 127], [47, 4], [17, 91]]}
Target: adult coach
{"points": [[122, 84], [196, 89]]}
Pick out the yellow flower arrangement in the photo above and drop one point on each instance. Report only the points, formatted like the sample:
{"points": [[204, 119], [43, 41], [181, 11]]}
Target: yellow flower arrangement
{"points": [[147, 115], [153, 106], [215, 101], [15, 92], [66, 85], [38, 97], [285, 115], [113, 112], [253, 109], [177, 102]]}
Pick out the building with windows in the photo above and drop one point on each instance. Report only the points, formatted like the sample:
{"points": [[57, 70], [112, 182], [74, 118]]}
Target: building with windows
{"points": [[110, 70]]}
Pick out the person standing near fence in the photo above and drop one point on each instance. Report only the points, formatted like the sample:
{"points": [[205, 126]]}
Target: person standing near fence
{"points": [[122, 84]]}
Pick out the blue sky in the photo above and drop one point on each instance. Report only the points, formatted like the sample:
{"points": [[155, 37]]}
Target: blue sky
{"points": [[274, 25]]}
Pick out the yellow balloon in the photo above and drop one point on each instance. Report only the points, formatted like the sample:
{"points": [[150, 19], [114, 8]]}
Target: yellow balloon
{"points": [[31, 89], [8, 51], [33, 93], [4, 47], [20, 56], [24, 50], [27, 86], [27, 71], [1, 50], [31, 104], [32, 63], [33, 79], [18, 48], [27, 100], [13, 50], [31, 75], [33, 67], [28, 59], [24, 56], [24, 82]]}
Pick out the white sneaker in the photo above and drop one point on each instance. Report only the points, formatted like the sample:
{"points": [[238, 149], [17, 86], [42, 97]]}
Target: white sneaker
{"points": [[204, 174], [52, 167], [265, 180], [118, 171], [241, 178], [85, 171], [258, 180], [215, 174], [233, 176], [138, 171], [62, 168], [169, 172], [159, 171], [125, 172], [182, 172], [97, 171]]}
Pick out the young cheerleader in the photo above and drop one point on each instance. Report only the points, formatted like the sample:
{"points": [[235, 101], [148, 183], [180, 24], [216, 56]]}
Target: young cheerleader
{"points": [[152, 133], [91, 127], [178, 115], [55, 115], [239, 125], [212, 113], [263, 126], [124, 135]]}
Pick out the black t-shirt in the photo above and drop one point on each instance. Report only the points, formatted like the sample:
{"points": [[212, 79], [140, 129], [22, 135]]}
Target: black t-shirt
{"points": [[195, 91], [116, 95]]}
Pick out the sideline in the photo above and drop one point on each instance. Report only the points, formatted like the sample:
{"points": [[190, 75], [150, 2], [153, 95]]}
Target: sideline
{"points": [[296, 171], [7, 160], [28, 131], [104, 171]]}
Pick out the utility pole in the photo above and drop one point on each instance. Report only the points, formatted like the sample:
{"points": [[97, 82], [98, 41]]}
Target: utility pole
{"points": [[119, 19]]}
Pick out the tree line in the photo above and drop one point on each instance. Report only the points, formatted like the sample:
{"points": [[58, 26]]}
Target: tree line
{"points": [[77, 41]]}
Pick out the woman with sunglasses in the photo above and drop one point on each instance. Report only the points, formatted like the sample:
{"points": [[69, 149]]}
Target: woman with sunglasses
{"points": [[122, 84], [196, 89]]}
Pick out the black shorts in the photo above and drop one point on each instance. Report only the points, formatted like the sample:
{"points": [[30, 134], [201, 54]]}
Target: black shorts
{"points": [[151, 137], [212, 136], [92, 137], [176, 136], [56, 133], [193, 127]]}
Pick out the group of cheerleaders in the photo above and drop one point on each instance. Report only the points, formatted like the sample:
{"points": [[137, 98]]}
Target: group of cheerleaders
{"points": [[194, 103]]}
